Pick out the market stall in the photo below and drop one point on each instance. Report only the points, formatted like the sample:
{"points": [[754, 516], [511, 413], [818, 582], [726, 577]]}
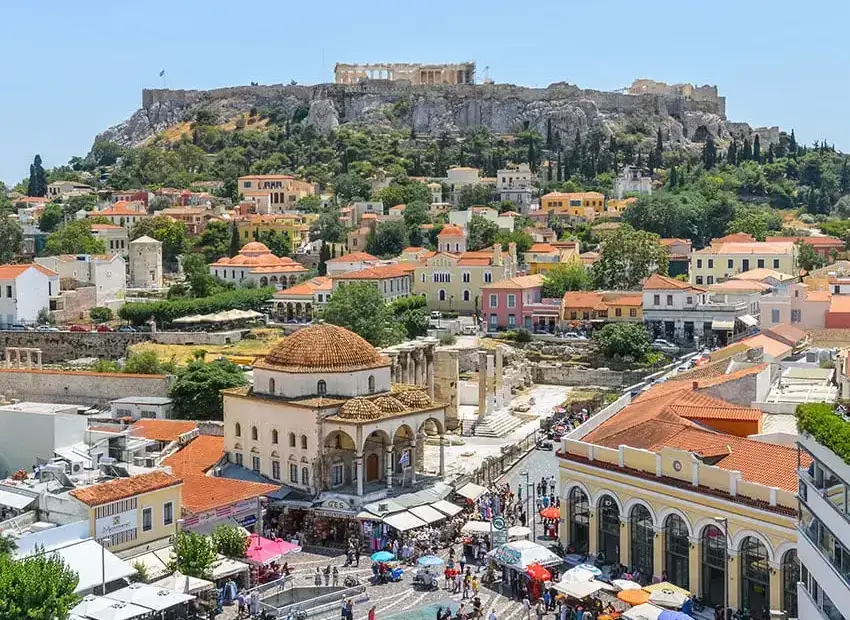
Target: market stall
{"points": [[167, 603], [643, 611], [447, 508], [185, 584], [404, 521], [263, 551], [471, 491], [516, 557]]}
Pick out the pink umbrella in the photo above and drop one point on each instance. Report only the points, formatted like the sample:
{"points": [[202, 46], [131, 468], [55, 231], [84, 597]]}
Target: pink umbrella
{"points": [[264, 550]]}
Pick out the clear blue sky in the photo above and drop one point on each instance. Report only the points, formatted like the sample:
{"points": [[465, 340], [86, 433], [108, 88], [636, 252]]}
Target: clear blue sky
{"points": [[70, 69]]}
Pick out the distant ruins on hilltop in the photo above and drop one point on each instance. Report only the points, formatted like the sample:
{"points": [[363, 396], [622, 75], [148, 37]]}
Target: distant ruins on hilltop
{"points": [[643, 86], [415, 73]]}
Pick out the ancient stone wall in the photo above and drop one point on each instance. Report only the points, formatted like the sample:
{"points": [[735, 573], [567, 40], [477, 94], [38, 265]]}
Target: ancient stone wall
{"points": [[78, 387], [63, 346], [570, 375]]}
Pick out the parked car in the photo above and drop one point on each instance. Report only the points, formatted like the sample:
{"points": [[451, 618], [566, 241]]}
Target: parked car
{"points": [[78, 328], [574, 336], [104, 328], [435, 315], [469, 330], [17, 327], [126, 328], [665, 346], [46, 328]]}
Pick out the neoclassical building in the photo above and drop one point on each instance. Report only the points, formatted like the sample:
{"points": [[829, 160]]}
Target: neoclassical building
{"points": [[324, 416], [653, 486], [256, 263]]}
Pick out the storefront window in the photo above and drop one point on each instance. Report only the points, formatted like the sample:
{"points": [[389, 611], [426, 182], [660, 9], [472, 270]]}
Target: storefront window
{"points": [[643, 537], [755, 575], [678, 550], [713, 565], [609, 529], [579, 519], [336, 474], [790, 577]]}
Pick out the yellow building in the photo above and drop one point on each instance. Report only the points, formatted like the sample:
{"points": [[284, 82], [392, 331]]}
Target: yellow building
{"points": [[130, 512], [653, 487], [296, 225], [575, 204], [616, 207], [726, 259], [273, 193], [602, 306]]}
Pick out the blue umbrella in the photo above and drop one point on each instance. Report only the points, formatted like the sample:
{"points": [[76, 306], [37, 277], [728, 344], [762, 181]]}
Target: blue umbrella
{"points": [[382, 556], [590, 568], [430, 560], [674, 615]]}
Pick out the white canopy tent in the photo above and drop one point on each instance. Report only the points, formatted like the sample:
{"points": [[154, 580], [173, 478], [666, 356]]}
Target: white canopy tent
{"points": [[18, 501], [644, 611], [225, 567], [403, 521], [427, 514], [185, 584], [475, 527], [92, 563], [150, 596], [519, 531], [520, 554], [471, 491], [581, 589], [102, 608], [447, 507]]}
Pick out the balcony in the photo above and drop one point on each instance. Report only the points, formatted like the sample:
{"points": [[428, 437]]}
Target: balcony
{"points": [[821, 568]]}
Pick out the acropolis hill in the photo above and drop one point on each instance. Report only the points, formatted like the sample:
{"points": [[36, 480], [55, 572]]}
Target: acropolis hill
{"points": [[686, 114]]}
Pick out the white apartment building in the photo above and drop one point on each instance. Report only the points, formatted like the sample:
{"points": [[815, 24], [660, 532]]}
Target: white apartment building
{"points": [[108, 274], [823, 538], [515, 184], [632, 180], [24, 290], [34, 431]]}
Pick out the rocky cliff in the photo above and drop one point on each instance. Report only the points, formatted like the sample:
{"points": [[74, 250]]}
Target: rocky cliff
{"points": [[436, 110]]}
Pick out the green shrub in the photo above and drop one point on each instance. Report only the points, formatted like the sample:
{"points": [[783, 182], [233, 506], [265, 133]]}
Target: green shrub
{"points": [[522, 335], [448, 339], [164, 312], [828, 427]]}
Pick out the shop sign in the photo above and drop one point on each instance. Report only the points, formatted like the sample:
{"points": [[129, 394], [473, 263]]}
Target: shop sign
{"points": [[506, 555], [116, 524], [499, 533], [334, 508]]}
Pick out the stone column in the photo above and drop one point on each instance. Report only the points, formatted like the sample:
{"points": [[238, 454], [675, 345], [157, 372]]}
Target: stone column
{"points": [[38, 358], [732, 583], [442, 456], [776, 585], [625, 542], [29, 358], [7, 357], [411, 368], [412, 464], [483, 379], [389, 467], [420, 367], [497, 378], [393, 355], [358, 472], [658, 551], [429, 371], [593, 534]]}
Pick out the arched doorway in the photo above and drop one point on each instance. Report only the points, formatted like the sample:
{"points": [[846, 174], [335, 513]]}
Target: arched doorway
{"points": [[579, 520], [402, 442], [755, 576], [790, 577], [609, 529], [713, 565], [338, 458], [677, 551], [373, 468], [642, 543]]}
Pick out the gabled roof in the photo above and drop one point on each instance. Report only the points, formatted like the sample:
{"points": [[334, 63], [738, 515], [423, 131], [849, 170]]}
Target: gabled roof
{"points": [[202, 493], [813, 240], [516, 283], [450, 230], [124, 488], [10, 272], [657, 282], [762, 273], [353, 257], [122, 207], [381, 272], [583, 299], [750, 247], [771, 347], [542, 248], [739, 286], [787, 333], [308, 287], [196, 457]]}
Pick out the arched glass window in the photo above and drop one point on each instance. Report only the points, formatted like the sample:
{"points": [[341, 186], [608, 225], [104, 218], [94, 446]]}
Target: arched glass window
{"points": [[755, 575], [274, 435], [642, 540], [271, 386], [305, 476], [371, 383], [609, 529], [579, 520], [303, 442], [790, 577], [678, 551], [238, 430], [291, 440], [442, 294], [713, 565], [321, 387], [254, 434], [466, 295]]}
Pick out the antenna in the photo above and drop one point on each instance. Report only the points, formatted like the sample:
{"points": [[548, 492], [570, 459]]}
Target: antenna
{"points": [[487, 73]]}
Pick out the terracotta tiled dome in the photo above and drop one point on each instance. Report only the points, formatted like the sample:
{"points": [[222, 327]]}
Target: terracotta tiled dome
{"points": [[388, 404], [359, 408], [324, 348], [254, 247], [416, 399]]}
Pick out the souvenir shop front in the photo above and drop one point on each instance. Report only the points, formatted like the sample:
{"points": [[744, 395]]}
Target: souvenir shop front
{"points": [[327, 523]]}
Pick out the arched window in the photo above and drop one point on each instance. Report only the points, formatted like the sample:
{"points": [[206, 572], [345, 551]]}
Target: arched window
{"points": [[579, 520], [274, 435], [713, 565], [642, 540], [321, 387], [271, 386], [609, 529], [790, 577], [254, 434], [755, 575], [305, 476], [303, 442], [238, 430], [466, 295], [442, 294], [677, 551], [291, 440], [371, 384]]}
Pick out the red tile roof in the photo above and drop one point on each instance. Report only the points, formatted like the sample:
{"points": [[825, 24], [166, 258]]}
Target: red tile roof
{"points": [[10, 272], [450, 230], [353, 257], [308, 287], [197, 456], [657, 282], [839, 303], [381, 272], [123, 488], [202, 493], [542, 248], [771, 347], [122, 207], [581, 299], [518, 282], [162, 430], [787, 333], [818, 296], [815, 241]]}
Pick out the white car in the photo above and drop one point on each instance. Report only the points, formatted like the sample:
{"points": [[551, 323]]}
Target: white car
{"points": [[665, 346], [574, 336], [435, 315]]}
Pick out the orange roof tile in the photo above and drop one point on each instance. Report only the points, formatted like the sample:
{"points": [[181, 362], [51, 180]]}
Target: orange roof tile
{"points": [[839, 303], [740, 285], [815, 241], [197, 456], [734, 238], [581, 299], [818, 296], [10, 272], [308, 287], [122, 207], [411, 250], [450, 230], [518, 282], [771, 347], [542, 248], [352, 257], [787, 333], [657, 282], [202, 493], [162, 430], [123, 488], [674, 241], [623, 299], [381, 272], [106, 227], [761, 273]]}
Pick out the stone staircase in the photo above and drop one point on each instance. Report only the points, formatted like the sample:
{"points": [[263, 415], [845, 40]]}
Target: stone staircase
{"points": [[497, 424]]}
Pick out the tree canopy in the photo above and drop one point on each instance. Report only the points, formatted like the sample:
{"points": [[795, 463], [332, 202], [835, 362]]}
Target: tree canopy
{"points": [[172, 234], [39, 587], [196, 392], [623, 341], [74, 238], [481, 233], [627, 257], [360, 308], [11, 237], [193, 555], [569, 276]]}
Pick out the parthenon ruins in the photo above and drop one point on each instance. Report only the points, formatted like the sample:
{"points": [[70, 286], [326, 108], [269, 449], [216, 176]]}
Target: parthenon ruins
{"points": [[416, 74]]}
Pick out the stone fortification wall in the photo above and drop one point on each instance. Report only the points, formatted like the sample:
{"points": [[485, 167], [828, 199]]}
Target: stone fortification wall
{"points": [[570, 375], [78, 387], [63, 346]]}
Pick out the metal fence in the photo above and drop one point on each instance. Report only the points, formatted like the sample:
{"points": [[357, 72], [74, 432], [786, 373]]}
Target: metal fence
{"points": [[495, 466]]}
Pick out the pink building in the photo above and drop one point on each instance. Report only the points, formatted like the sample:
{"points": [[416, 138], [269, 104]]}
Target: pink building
{"points": [[799, 306], [519, 302]]}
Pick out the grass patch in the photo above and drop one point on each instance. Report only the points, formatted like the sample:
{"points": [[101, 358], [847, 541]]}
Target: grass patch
{"points": [[259, 342]]}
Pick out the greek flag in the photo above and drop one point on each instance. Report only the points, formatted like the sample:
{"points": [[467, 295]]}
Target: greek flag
{"points": [[404, 461], [162, 73]]}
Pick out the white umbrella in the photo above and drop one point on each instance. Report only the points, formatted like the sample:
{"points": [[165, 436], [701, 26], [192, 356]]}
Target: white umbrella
{"points": [[577, 575], [668, 598], [475, 527], [644, 611], [519, 531], [184, 584], [625, 584]]}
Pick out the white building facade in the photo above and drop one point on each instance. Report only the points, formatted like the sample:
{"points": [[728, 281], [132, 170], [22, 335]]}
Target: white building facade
{"points": [[145, 263]]}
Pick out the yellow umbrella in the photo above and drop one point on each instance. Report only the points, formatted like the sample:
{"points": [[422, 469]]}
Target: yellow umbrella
{"points": [[666, 585]]}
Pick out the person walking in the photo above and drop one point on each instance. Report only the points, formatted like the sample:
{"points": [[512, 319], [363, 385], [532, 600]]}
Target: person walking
{"points": [[475, 585], [317, 578], [538, 610], [327, 573], [492, 614], [335, 575], [526, 605], [371, 615]]}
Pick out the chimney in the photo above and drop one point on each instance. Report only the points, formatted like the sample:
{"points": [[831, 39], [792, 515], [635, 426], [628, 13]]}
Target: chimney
{"points": [[695, 385], [497, 254]]}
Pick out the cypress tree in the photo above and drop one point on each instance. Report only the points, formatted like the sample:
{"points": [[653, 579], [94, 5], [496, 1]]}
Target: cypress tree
{"points": [[559, 177], [770, 153], [548, 134], [757, 148], [324, 255], [746, 151], [844, 177], [673, 181], [37, 186], [234, 241], [792, 144], [732, 153]]}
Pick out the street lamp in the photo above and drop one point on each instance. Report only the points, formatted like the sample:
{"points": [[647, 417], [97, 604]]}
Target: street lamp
{"points": [[725, 523]]}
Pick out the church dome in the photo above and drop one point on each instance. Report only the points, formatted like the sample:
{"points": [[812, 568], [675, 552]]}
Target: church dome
{"points": [[254, 247], [359, 408], [388, 404], [415, 399], [324, 348]]}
